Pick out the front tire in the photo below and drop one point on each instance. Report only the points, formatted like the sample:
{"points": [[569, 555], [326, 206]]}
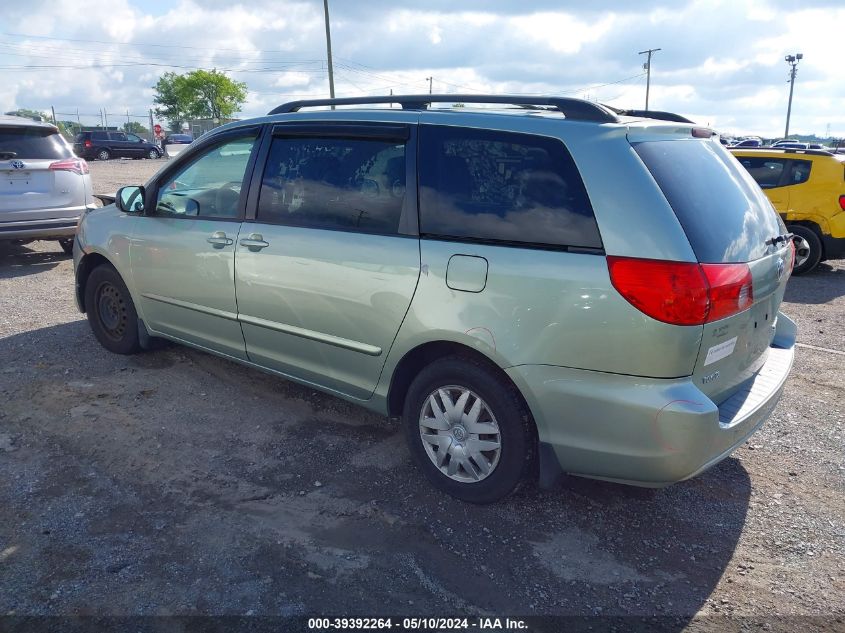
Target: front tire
{"points": [[468, 430], [111, 312], [153, 154], [808, 249]]}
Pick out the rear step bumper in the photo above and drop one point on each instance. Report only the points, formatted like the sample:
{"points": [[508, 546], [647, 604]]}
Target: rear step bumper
{"points": [[645, 431]]}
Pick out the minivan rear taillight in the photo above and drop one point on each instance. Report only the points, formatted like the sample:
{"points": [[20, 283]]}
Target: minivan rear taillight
{"points": [[682, 293], [76, 165]]}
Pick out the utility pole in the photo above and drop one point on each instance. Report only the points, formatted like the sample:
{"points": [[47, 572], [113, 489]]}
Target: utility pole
{"points": [[792, 60], [647, 68], [329, 49], [430, 79]]}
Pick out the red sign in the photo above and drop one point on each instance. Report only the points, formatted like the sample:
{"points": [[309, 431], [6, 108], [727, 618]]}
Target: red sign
{"points": [[157, 129]]}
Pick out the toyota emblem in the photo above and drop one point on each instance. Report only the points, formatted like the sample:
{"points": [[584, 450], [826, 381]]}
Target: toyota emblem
{"points": [[17, 164]]}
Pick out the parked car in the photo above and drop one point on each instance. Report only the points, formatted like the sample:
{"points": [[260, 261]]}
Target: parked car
{"points": [[532, 290], [44, 188], [749, 142], [174, 144], [807, 188], [106, 144]]}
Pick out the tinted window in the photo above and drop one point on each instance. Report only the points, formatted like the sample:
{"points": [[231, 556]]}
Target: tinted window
{"points": [[767, 172], [800, 172], [32, 142], [489, 185], [100, 136], [348, 184], [726, 216], [117, 136], [209, 186]]}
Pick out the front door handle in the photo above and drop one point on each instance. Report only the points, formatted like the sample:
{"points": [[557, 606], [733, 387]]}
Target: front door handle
{"points": [[218, 239], [255, 242]]}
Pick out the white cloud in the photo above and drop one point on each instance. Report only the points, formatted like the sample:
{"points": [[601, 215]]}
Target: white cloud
{"points": [[721, 60]]}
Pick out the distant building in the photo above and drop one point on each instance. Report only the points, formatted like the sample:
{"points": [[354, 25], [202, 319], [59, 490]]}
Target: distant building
{"points": [[198, 127]]}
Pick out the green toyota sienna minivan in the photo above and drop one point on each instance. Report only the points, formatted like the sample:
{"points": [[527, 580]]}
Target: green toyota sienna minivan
{"points": [[535, 286]]}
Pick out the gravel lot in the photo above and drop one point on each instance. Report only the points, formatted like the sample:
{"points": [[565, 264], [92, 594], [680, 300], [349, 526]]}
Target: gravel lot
{"points": [[174, 482]]}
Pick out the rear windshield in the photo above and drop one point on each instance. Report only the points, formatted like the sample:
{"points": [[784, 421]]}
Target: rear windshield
{"points": [[725, 214], [32, 142]]}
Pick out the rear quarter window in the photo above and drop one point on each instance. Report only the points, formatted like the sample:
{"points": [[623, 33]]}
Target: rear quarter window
{"points": [[33, 143], [502, 187], [724, 213]]}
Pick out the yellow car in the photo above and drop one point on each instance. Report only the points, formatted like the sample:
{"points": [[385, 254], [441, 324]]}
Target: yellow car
{"points": [[807, 188]]}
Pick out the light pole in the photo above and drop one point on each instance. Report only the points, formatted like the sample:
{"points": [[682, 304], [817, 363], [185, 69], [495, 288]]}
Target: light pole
{"points": [[647, 67], [792, 60], [329, 49]]}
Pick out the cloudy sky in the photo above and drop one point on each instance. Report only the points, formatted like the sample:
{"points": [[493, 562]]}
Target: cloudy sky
{"points": [[721, 63]]}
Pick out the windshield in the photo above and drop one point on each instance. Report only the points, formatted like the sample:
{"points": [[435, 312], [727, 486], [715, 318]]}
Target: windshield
{"points": [[725, 214]]}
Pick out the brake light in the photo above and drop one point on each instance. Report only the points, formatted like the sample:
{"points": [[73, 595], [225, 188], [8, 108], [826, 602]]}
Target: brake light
{"points": [[88, 143], [730, 290], [682, 293], [76, 165], [842, 202]]}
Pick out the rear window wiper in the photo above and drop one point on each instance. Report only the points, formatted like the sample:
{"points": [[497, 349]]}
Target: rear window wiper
{"points": [[780, 238], [6, 155]]}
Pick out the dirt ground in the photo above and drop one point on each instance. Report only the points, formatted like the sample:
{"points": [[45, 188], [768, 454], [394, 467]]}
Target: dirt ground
{"points": [[174, 482]]}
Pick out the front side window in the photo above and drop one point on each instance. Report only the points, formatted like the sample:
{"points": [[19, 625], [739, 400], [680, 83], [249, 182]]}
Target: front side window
{"points": [[132, 138], [210, 185], [503, 187], [341, 184]]}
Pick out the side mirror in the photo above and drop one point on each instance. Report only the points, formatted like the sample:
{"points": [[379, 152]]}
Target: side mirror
{"points": [[130, 200]]}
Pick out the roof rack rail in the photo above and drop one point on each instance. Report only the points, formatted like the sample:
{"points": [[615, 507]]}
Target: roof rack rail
{"points": [[650, 114], [577, 109], [786, 150]]}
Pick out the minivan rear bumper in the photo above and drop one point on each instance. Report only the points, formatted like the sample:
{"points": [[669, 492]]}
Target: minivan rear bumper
{"points": [[645, 431]]}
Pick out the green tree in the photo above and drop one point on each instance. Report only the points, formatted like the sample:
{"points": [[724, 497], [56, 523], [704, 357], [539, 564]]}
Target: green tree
{"points": [[172, 98], [133, 127], [197, 94], [29, 114]]}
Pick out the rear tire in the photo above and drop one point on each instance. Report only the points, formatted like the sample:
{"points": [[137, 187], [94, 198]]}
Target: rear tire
{"points": [[808, 249], [67, 245], [480, 446], [111, 312], [103, 154]]}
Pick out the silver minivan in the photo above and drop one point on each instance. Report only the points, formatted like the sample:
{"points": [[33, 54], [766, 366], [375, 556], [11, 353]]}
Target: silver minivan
{"points": [[44, 187], [535, 286]]}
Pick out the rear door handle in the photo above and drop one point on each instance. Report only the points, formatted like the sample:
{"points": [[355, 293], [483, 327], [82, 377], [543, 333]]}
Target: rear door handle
{"points": [[219, 239], [255, 242]]}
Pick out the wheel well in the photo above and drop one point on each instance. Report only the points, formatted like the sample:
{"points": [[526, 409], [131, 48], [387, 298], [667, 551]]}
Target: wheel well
{"points": [[414, 361], [86, 266], [815, 228]]}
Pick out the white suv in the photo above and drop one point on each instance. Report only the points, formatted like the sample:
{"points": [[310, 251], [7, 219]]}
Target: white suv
{"points": [[44, 187]]}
